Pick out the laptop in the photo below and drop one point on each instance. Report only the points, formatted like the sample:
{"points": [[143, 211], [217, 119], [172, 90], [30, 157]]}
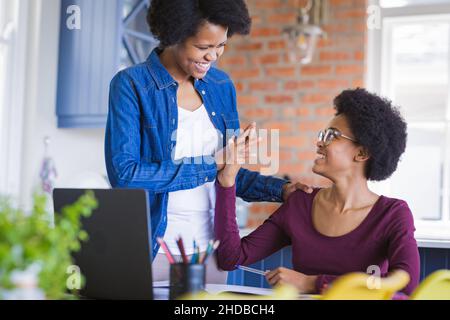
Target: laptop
{"points": [[116, 260]]}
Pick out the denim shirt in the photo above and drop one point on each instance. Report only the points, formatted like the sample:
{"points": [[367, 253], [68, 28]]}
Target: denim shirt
{"points": [[140, 139]]}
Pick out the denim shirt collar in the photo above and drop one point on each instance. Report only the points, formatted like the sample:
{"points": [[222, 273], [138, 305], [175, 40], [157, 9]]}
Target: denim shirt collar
{"points": [[159, 73]]}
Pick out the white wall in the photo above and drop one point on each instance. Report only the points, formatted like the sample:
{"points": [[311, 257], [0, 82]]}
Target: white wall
{"points": [[75, 151]]}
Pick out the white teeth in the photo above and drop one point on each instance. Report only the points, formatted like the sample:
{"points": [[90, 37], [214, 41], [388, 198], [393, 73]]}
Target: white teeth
{"points": [[203, 65]]}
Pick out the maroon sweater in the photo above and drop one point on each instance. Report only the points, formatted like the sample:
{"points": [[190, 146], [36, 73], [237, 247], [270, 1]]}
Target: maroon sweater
{"points": [[385, 238]]}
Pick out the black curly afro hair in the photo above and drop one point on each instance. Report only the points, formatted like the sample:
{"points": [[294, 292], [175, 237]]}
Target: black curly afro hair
{"points": [[378, 126], [173, 21]]}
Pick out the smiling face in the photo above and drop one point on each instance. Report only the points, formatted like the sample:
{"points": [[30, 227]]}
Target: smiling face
{"points": [[342, 157], [196, 55]]}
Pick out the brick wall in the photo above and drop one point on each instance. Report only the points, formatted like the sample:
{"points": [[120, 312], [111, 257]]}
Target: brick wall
{"points": [[277, 93]]}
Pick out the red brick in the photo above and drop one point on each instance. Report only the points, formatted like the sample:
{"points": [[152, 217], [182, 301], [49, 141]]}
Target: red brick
{"points": [[316, 70], [314, 98], [266, 4], [279, 99], [282, 156], [333, 84], [283, 18], [248, 100], [360, 28], [256, 19], [350, 41], [336, 28], [351, 14], [264, 208], [239, 86], [282, 126], [302, 95], [263, 86], [245, 73], [298, 85], [266, 59], [249, 46], [296, 112], [294, 4], [277, 44], [256, 113], [293, 142], [232, 61], [281, 72], [291, 169], [253, 223], [358, 83], [350, 69], [285, 156], [328, 112], [265, 32], [359, 55], [341, 2], [307, 156], [334, 56], [314, 126], [324, 42]]}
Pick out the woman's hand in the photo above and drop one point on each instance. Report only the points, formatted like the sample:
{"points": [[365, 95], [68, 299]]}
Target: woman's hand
{"points": [[304, 283], [237, 153], [290, 188]]}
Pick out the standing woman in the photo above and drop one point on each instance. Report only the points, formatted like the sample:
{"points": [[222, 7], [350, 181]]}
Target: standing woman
{"points": [[167, 124]]}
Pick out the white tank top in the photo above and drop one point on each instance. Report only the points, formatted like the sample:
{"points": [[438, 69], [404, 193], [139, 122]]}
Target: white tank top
{"points": [[190, 213]]}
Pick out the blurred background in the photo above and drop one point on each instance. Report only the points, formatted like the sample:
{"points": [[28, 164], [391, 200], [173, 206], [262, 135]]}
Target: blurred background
{"points": [[57, 58]]}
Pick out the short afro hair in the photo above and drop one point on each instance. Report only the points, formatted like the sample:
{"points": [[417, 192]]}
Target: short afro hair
{"points": [[173, 21], [378, 126]]}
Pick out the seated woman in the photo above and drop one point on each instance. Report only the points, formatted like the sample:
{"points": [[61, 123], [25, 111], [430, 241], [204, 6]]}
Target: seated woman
{"points": [[337, 230]]}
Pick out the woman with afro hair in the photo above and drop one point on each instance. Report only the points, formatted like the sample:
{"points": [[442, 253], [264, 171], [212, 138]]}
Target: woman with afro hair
{"points": [[170, 119], [341, 229]]}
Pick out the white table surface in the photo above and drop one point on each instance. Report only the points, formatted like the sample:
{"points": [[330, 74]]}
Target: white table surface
{"points": [[161, 290]]}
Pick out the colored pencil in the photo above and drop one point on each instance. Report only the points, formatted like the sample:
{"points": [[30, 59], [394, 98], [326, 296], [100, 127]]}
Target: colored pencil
{"points": [[211, 251], [194, 255], [166, 251], [247, 269], [182, 251], [208, 249]]}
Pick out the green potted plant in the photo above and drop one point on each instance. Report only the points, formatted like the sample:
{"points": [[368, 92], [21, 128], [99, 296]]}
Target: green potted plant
{"points": [[35, 253]]}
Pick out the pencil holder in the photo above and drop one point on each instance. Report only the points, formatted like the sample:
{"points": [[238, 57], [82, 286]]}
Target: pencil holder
{"points": [[186, 278]]}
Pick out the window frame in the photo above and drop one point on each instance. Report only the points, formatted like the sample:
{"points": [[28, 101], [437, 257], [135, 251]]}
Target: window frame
{"points": [[11, 129], [377, 57]]}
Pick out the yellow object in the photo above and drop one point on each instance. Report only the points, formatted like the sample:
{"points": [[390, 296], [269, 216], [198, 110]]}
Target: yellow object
{"points": [[434, 287], [282, 292], [361, 286]]}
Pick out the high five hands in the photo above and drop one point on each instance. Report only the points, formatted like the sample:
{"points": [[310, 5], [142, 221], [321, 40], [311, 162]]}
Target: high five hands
{"points": [[238, 152]]}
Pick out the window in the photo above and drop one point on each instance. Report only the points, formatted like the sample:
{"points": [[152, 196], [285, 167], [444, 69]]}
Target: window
{"points": [[13, 23], [405, 3], [7, 12], [409, 63], [137, 40]]}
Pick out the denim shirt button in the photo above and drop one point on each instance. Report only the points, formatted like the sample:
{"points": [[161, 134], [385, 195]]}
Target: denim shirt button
{"points": [[203, 92], [213, 114], [206, 179]]}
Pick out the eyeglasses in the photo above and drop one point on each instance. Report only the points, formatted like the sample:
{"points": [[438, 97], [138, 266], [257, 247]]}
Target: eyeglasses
{"points": [[329, 135]]}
